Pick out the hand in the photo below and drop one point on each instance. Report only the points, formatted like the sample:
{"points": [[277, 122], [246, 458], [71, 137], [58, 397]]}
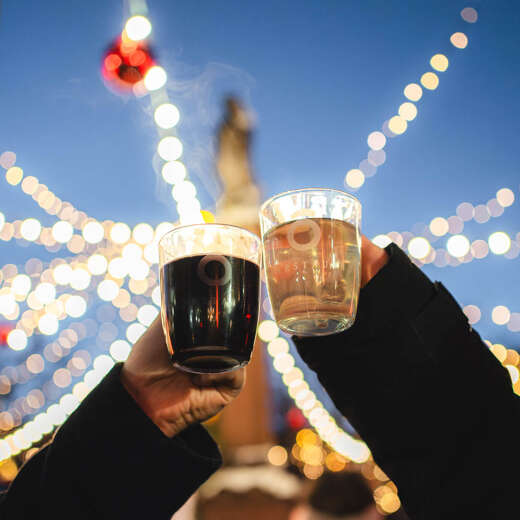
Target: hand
{"points": [[171, 398], [373, 258]]}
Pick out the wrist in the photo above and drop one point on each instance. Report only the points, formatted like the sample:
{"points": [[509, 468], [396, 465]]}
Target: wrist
{"points": [[373, 258]]}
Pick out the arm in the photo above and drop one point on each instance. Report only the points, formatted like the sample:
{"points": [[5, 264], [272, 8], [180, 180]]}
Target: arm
{"points": [[133, 449], [421, 388]]}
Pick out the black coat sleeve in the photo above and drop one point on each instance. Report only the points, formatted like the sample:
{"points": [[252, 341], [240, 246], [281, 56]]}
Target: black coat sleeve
{"points": [[109, 460], [433, 404]]}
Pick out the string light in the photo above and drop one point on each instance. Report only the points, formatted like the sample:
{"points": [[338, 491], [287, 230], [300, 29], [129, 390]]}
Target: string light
{"points": [[468, 14], [459, 40], [499, 243], [398, 124], [285, 363], [313, 409], [155, 78], [138, 28], [439, 62], [430, 80], [166, 116], [500, 315], [419, 247]]}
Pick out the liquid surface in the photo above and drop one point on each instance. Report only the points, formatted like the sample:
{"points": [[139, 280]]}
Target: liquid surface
{"points": [[210, 311], [313, 275]]}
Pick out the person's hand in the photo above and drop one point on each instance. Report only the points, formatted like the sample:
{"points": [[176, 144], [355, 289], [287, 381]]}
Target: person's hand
{"points": [[373, 258], [171, 398]]}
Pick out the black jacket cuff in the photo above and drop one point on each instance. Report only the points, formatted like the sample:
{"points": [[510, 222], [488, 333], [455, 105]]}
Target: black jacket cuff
{"points": [[135, 470]]}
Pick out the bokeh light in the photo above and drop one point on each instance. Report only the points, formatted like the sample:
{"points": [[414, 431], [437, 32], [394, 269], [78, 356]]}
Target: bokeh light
{"points": [[107, 290], [479, 249], [473, 313], [146, 314], [468, 14], [120, 233], [48, 324], [166, 116], [481, 214], [169, 148], [75, 306], [80, 279], [376, 140], [376, 157], [459, 40], [93, 232], [277, 455], [97, 264], [500, 315], [430, 80], [62, 378], [21, 284], [499, 242], [439, 62], [7, 159], [398, 125], [184, 190], [514, 322], [455, 224], [267, 330], [155, 78], [465, 211], [45, 292], [458, 246], [143, 233], [62, 231], [14, 175], [413, 92], [355, 178], [505, 197], [117, 267], [134, 332], [419, 247], [408, 111], [495, 208], [35, 363], [120, 350], [173, 172], [17, 339], [367, 168], [138, 28], [31, 229]]}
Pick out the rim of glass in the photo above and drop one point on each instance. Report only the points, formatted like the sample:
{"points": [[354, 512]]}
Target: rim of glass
{"points": [[213, 225], [291, 192]]}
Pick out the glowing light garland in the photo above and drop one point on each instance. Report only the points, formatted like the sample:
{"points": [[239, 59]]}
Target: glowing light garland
{"points": [[115, 257], [106, 243], [407, 111]]}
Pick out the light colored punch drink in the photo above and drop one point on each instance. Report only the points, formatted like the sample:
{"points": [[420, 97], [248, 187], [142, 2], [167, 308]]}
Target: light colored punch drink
{"points": [[312, 248], [314, 280]]}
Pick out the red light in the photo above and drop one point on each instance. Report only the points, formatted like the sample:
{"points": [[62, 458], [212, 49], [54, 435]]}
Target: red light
{"points": [[125, 63], [295, 419], [4, 332], [248, 316], [137, 58], [112, 62]]}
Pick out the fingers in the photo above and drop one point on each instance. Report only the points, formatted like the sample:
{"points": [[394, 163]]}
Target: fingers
{"points": [[233, 380]]}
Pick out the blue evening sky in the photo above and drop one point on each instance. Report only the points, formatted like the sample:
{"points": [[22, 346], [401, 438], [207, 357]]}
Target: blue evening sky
{"points": [[319, 76]]}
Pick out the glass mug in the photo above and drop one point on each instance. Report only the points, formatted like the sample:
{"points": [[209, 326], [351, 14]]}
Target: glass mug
{"points": [[312, 250], [210, 293]]}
